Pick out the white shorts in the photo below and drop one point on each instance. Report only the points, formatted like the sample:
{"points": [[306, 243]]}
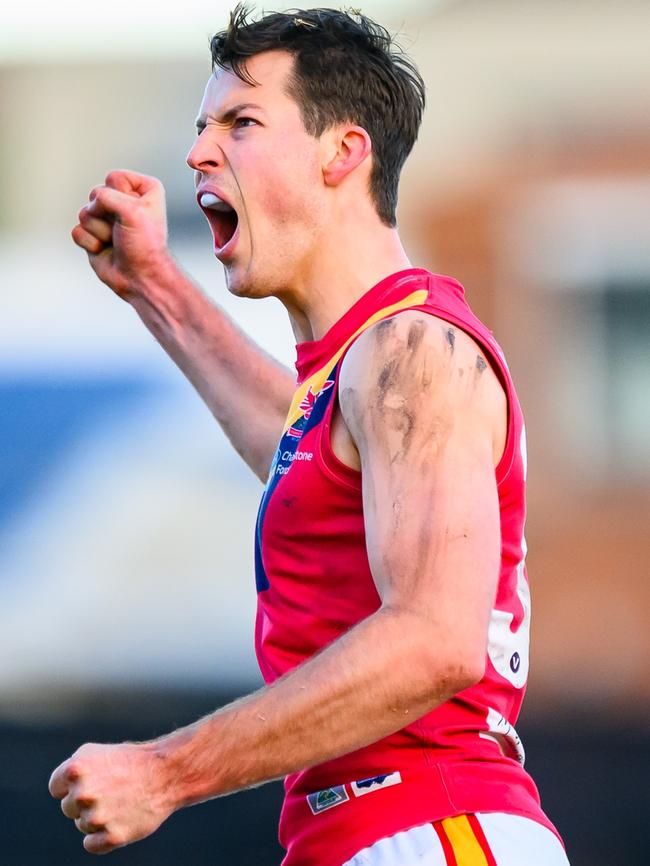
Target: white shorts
{"points": [[484, 839]]}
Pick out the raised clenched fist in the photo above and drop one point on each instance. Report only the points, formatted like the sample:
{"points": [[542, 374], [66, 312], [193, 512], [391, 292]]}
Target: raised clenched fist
{"points": [[123, 228]]}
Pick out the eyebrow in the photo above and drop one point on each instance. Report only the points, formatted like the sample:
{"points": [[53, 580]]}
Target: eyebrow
{"points": [[227, 116]]}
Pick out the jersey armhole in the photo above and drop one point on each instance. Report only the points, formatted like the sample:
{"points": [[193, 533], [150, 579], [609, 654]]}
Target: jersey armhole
{"points": [[335, 468]]}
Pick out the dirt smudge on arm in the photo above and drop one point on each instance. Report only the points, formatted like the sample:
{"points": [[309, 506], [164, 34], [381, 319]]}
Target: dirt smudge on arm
{"points": [[450, 336]]}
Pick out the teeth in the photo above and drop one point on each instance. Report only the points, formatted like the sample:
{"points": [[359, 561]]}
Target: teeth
{"points": [[210, 200]]}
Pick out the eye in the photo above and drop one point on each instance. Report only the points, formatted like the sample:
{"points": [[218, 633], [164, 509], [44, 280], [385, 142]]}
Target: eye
{"points": [[243, 122]]}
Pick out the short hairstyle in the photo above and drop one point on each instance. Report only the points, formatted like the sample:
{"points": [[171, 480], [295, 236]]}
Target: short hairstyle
{"points": [[347, 69]]}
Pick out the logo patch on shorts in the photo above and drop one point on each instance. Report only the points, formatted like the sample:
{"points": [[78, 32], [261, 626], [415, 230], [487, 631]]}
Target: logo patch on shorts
{"points": [[319, 801], [368, 786]]}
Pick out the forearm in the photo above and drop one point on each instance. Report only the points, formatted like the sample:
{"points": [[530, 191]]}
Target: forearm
{"points": [[370, 683], [247, 390]]}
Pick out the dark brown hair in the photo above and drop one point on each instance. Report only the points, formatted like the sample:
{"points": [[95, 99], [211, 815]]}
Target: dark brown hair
{"points": [[347, 68]]}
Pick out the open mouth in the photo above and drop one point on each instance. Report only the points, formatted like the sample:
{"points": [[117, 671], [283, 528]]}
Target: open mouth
{"points": [[222, 217]]}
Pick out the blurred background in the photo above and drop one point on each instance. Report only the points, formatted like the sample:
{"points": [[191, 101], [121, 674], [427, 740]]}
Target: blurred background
{"points": [[126, 589]]}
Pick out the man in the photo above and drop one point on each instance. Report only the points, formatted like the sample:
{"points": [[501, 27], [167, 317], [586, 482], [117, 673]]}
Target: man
{"points": [[393, 604]]}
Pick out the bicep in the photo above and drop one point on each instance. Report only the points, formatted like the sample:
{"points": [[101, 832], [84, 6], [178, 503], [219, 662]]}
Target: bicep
{"points": [[430, 499], [432, 529]]}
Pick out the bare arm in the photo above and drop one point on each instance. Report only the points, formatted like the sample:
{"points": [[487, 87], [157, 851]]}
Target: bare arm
{"points": [[432, 523], [123, 230]]}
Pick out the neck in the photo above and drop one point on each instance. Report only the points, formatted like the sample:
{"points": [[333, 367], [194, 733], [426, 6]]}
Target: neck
{"points": [[345, 266]]}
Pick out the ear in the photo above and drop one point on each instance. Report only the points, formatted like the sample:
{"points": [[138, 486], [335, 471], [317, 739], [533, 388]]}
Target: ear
{"points": [[348, 148]]}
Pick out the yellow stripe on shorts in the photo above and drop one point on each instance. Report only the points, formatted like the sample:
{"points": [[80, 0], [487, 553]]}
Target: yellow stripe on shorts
{"points": [[466, 847]]}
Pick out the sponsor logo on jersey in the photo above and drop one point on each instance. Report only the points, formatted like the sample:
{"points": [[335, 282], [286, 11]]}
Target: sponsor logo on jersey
{"points": [[288, 457], [375, 783], [306, 406], [319, 801], [309, 400]]}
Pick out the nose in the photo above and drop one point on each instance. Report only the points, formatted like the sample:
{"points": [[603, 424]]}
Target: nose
{"points": [[205, 155]]}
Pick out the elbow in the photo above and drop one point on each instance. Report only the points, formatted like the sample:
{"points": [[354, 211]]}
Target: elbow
{"points": [[471, 672], [441, 662], [453, 673]]}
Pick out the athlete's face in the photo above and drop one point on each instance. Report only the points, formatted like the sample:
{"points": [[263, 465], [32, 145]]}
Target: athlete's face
{"points": [[254, 154]]}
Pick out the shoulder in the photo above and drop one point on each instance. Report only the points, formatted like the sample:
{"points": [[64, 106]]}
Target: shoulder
{"points": [[417, 364], [416, 351]]}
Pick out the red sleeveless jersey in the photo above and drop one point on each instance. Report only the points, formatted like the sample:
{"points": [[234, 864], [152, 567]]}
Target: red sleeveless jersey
{"points": [[314, 583]]}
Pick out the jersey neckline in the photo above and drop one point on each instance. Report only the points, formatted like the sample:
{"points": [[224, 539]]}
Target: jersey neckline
{"points": [[312, 354]]}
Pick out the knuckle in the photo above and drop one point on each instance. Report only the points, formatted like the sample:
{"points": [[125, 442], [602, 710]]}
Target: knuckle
{"points": [[73, 771], [54, 785]]}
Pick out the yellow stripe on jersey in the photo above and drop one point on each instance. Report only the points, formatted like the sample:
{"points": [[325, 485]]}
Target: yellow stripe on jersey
{"points": [[466, 847], [318, 379]]}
